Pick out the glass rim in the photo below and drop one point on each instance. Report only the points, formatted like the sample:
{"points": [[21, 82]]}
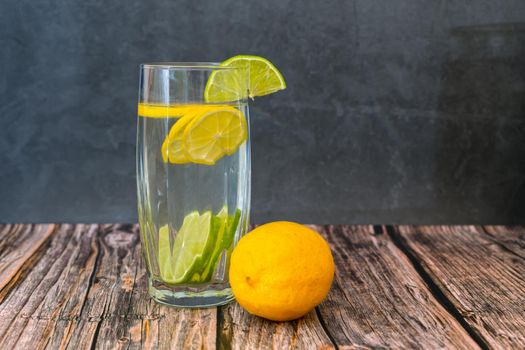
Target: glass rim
{"points": [[186, 66]]}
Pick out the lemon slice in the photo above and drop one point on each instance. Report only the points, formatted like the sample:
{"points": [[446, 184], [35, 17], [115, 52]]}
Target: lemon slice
{"points": [[214, 133], [161, 110], [172, 146], [171, 149], [256, 76]]}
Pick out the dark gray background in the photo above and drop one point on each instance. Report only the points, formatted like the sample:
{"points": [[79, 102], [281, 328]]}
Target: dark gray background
{"points": [[398, 111]]}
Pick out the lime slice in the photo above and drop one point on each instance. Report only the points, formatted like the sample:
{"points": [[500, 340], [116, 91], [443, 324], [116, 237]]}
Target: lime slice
{"points": [[191, 245], [230, 85], [164, 259], [226, 233], [214, 133], [233, 223], [220, 223]]}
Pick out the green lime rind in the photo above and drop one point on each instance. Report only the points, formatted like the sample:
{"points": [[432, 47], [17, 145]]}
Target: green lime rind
{"points": [[219, 224], [191, 248], [226, 234], [233, 222], [243, 76], [164, 257], [199, 244]]}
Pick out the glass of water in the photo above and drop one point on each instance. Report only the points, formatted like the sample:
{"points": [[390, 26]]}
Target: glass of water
{"points": [[193, 182]]}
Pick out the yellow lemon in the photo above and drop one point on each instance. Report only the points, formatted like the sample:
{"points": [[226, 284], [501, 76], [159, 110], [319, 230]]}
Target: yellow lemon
{"points": [[281, 271]]}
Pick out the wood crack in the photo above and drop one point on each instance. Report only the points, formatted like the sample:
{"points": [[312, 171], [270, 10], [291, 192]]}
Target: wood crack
{"points": [[436, 291], [96, 246], [95, 336], [223, 339], [369, 303], [325, 328]]}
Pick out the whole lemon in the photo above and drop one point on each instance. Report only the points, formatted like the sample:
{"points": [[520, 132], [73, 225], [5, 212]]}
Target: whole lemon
{"points": [[281, 270]]}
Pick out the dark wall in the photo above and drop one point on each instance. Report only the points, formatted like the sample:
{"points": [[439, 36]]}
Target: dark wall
{"points": [[396, 111]]}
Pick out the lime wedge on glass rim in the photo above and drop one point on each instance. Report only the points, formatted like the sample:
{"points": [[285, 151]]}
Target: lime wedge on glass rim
{"points": [[261, 76]]}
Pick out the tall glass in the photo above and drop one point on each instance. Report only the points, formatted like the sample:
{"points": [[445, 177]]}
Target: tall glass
{"points": [[193, 182]]}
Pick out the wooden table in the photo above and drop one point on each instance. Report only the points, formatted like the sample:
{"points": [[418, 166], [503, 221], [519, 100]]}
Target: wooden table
{"points": [[84, 286]]}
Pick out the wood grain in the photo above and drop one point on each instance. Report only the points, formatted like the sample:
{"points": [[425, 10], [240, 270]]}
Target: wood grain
{"points": [[511, 238], [88, 290], [481, 273], [129, 318], [379, 300], [17, 244], [240, 330], [52, 292], [85, 287]]}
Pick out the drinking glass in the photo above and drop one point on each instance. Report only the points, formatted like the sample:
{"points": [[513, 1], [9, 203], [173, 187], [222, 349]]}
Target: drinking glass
{"points": [[192, 207]]}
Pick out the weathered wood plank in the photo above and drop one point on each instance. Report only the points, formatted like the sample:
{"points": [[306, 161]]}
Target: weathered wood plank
{"points": [[240, 330], [484, 282], [141, 321], [144, 325], [510, 237], [378, 299], [84, 286], [88, 289], [187, 328], [131, 319], [17, 244], [51, 292], [110, 295], [5, 231], [154, 326]]}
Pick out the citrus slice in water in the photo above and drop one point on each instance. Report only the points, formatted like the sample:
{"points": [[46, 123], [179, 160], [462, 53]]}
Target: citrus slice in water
{"points": [[172, 145], [191, 246], [256, 76], [213, 133], [226, 226], [161, 110], [233, 223], [219, 223], [164, 259]]}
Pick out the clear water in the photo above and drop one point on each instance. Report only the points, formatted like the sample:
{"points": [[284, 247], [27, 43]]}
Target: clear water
{"points": [[168, 192]]}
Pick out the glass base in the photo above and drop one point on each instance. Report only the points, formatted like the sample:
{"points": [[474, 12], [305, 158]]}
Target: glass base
{"points": [[192, 296]]}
